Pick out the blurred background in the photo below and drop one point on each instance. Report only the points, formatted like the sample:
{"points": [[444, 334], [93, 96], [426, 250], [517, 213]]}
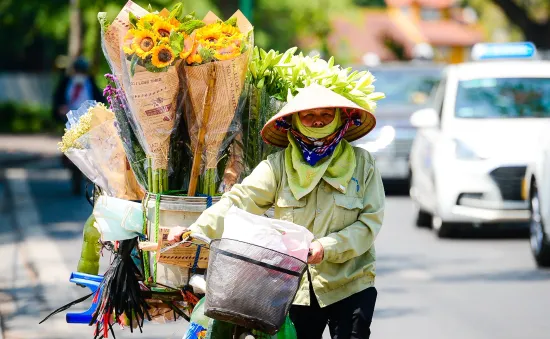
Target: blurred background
{"points": [[483, 283]]}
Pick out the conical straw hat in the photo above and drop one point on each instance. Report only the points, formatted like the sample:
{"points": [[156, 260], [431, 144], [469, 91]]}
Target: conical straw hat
{"points": [[317, 96]]}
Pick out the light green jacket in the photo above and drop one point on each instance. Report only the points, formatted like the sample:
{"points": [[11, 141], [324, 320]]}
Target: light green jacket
{"points": [[345, 221]]}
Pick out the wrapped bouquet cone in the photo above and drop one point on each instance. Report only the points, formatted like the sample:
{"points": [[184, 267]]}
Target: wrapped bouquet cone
{"points": [[215, 86]]}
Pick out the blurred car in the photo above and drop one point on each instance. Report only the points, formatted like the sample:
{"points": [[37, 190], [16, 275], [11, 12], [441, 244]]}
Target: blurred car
{"points": [[470, 154], [408, 87], [537, 193]]}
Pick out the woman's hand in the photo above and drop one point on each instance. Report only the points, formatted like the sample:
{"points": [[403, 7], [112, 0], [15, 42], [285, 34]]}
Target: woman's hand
{"points": [[175, 234], [316, 253]]}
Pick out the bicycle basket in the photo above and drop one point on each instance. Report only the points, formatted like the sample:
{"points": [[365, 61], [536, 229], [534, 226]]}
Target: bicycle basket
{"points": [[251, 286]]}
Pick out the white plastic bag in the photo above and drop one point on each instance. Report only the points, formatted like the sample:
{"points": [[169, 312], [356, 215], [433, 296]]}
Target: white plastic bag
{"points": [[275, 234], [118, 219]]}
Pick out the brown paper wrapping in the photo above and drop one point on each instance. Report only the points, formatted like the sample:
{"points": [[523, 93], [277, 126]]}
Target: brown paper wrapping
{"points": [[153, 100], [230, 76], [110, 157], [180, 256], [113, 38]]}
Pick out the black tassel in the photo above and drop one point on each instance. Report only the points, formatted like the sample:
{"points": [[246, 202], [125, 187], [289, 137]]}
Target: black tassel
{"points": [[121, 292], [66, 307]]}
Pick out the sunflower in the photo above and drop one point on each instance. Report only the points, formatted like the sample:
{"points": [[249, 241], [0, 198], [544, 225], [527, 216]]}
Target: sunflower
{"points": [[127, 44], [143, 43], [209, 33], [230, 31], [227, 52], [163, 28], [188, 44], [148, 20], [163, 56]]}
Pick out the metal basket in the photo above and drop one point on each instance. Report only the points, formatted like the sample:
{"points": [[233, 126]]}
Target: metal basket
{"points": [[250, 285]]}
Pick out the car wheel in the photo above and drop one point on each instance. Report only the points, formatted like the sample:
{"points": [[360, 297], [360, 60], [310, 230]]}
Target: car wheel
{"points": [[443, 229], [423, 219], [540, 244]]}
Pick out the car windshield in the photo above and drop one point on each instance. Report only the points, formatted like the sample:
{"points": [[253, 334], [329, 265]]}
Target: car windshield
{"points": [[406, 86], [503, 98]]}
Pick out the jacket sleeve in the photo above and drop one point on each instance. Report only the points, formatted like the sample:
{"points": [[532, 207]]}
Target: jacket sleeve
{"points": [[255, 194], [357, 238]]}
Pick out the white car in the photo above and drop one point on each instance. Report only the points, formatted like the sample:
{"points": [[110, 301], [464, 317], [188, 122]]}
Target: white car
{"points": [[470, 153], [537, 192]]}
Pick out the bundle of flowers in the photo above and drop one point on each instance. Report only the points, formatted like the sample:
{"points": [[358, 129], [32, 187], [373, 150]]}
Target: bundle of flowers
{"points": [[274, 78], [214, 74], [91, 142]]}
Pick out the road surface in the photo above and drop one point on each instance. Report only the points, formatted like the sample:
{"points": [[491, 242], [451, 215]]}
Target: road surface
{"points": [[475, 288]]}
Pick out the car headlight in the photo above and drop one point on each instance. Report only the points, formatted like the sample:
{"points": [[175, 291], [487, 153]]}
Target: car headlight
{"points": [[465, 152]]}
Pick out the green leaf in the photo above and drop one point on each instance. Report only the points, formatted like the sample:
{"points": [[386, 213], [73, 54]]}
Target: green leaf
{"points": [[189, 17], [176, 42], [133, 19], [153, 69], [232, 21], [147, 25], [260, 83], [206, 54], [189, 26], [176, 11], [149, 8], [133, 64]]}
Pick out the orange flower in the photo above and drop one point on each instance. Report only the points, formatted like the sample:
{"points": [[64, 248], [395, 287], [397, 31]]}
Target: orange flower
{"points": [[188, 46], [194, 58]]}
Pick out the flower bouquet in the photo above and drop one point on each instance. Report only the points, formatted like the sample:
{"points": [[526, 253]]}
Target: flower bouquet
{"points": [[92, 143], [214, 74], [144, 51]]}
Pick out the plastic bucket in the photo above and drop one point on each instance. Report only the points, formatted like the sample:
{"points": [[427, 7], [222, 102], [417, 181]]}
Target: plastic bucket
{"points": [[171, 268]]}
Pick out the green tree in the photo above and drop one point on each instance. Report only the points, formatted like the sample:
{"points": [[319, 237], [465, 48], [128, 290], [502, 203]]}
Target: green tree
{"points": [[36, 32], [531, 17], [370, 3]]}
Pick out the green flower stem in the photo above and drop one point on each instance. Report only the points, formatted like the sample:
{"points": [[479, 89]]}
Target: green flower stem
{"points": [[208, 182], [149, 174], [165, 177], [155, 188]]}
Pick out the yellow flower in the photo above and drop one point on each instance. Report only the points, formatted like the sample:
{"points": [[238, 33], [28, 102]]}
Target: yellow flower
{"points": [[209, 33], [230, 31], [162, 56], [175, 22], [188, 44], [150, 19], [143, 43], [163, 28], [227, 52], [71, 136], [194, 58]]}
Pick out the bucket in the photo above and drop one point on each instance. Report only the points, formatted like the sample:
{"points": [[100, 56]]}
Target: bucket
{"points": [[171, 268]]}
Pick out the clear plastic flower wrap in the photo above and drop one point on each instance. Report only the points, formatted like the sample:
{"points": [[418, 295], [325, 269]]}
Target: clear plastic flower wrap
{"points": [[91, 141], [214, 74], [144, 50]]}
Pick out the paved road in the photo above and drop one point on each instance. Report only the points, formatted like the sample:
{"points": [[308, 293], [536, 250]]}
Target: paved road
{"points": [[468, 288]]}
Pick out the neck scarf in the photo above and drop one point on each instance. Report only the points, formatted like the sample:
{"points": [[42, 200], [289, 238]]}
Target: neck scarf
{"points": [[330, 158]]}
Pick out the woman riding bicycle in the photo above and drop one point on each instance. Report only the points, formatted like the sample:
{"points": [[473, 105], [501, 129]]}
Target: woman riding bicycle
{"points": [[321, 182]]}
